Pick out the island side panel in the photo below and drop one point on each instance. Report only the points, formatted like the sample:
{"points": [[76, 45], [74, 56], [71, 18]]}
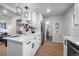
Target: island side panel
{"points": [[65, 47], [14, 48]]}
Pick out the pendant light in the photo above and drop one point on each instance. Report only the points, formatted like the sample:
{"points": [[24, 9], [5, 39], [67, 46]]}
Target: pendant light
{"points": [[19, 10], [27, 14]]}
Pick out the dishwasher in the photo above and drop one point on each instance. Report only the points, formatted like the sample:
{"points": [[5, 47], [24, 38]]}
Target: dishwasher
{"points": [[72, 49]]}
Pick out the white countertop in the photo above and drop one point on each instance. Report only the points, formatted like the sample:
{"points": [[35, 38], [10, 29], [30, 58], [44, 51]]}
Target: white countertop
{"points": [[74, 39], [21, 37], [17, 39]]}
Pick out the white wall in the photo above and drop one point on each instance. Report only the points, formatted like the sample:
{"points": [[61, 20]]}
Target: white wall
{"points": [[11, 27], [57, 36], [69, 26], [68, 21], [75, 29], [10, 24]]}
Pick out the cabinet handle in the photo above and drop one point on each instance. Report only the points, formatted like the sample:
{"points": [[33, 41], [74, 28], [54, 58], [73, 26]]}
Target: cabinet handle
{"points": [[28, 42], [65, 42]]}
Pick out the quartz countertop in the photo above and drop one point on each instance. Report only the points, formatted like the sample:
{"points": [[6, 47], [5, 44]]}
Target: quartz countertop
{"points": [[21, 38], [74, 39]]}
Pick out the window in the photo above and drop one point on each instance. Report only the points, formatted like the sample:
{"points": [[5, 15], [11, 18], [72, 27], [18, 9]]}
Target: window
{"points": [[2, 24]]}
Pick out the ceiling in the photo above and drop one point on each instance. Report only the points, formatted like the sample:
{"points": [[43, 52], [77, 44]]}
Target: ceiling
{"points": [[4, 12], [55, 8]]}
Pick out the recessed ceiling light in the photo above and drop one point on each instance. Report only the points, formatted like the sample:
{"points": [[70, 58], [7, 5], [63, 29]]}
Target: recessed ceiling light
{"points": [[47, 10], [4, 11]]}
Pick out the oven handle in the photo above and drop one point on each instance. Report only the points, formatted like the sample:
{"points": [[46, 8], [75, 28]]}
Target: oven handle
{"points": [[73, 48]]}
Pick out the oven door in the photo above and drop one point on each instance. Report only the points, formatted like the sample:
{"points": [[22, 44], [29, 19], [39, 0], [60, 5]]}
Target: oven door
{"points": [[72, 49]]}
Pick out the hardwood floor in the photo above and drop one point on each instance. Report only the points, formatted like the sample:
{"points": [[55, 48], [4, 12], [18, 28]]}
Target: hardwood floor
{"points": [[3, 50], [50, 49]]}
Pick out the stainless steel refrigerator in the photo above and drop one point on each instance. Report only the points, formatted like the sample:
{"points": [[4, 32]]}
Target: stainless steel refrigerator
{"points": [[42, 32]]}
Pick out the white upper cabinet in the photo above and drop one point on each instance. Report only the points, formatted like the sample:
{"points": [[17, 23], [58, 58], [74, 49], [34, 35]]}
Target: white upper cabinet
{"points": [[77, 15], [34, 18], [40, 17]]}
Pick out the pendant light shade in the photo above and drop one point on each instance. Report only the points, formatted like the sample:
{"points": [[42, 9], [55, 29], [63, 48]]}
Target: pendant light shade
{"points": [[27, 13], [19, 10]]}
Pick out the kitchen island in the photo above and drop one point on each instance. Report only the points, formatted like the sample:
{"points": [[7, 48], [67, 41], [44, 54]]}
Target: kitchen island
{"points": [[71, 45], [23, 45]]}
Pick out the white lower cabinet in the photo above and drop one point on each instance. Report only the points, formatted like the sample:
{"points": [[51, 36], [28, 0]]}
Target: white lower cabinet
{"points": [[27, 49], [33, 48], [38, 43], [35, 45]]}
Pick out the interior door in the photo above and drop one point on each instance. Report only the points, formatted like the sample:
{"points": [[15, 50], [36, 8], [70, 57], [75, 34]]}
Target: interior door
{"points": [[49, 31]]}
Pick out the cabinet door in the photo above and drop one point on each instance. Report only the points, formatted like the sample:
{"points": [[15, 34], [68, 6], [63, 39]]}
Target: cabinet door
{"points": [[38, 42], [77, 14], [27, 49], [33, 48], [34, 18], [35, 45]]}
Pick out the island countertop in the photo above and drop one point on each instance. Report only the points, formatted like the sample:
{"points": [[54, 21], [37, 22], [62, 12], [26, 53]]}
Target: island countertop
{"points": [[21, 38], [74, 39]]}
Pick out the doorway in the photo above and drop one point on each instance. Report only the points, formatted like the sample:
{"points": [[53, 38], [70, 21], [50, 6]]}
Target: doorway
{"points": [[48, 31]]}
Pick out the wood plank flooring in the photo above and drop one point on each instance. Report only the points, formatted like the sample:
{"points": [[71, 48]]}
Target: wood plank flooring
{"points": [[50, 49], [3, 50]]}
